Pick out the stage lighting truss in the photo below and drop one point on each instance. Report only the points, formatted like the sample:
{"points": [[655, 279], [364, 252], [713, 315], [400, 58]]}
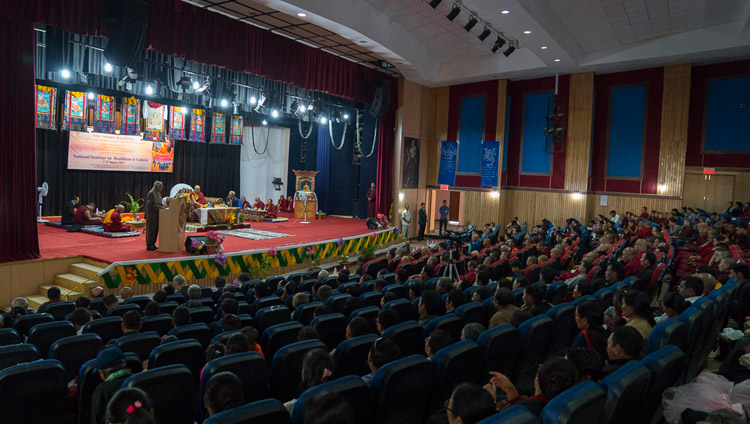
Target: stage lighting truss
{"points": [[458, 7]]}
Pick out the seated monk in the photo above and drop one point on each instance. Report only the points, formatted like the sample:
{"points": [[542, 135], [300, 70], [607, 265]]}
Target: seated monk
{"points": [[113, 221], [258, 204], [271, 209], [283, 204], [198, 197], [244, 203], [83, 215]]}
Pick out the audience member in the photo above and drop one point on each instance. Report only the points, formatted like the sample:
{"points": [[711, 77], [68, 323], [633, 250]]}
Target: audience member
{"points": [[324, 293], [194, 292], [328, 408], [160, 296], [623, 345], [673, 305], [471, 331], [429, 307], [131, 323], [437, 340], [317, 368], [469, 404], [79, 318], [237, 343], [53, 295], [151, 309], [112, 369], [588, 363], [690, 288], [252, 337], [110, 301], [126, 293], [637, 312], [519, 317], [386, 318], [308, 332], [503, 303], [83, 302], [180, 316], [533, 300], [223, 392], [382, 351], [130, 406], [589, 320], [455, 299]]}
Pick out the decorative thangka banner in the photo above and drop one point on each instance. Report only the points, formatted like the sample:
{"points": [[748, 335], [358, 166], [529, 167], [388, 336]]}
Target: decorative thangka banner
{"points": [[236, 135], [46, 104], [218, 127], [130, 122], [490, 158], [198, 126], [74, 115], [104, 114], [448, 159], [177, 130], [155, 114]]}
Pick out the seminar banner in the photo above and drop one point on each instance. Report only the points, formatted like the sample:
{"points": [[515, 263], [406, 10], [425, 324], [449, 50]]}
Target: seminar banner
{"points": [[448, 159], [490, 157], [110, 152]]}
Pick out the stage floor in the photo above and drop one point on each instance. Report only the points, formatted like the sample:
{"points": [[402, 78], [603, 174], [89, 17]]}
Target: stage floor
{"points": [[56, 243]]}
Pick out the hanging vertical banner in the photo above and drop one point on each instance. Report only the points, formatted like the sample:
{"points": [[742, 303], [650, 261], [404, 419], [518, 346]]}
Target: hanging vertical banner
{"points": [[177, 130], [490, 159], [155, 114], [46, 104], [130, 116], [104, 114], [448, 159], [74, 115], [198, 126], [218, 128], [236, 135]]}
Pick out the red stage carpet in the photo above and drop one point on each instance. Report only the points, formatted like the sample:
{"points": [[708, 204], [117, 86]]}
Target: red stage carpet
{"points": [[55, 243]]}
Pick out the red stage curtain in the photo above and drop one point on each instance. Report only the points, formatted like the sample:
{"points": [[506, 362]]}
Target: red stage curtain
{"points": [[384, 179], [18, 232], [76, 16]]}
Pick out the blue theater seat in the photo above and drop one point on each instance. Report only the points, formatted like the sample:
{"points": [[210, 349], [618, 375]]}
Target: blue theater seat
{"points": [[204, 315], [398, 289], [515, 414], [120, 310], [261, 412], [171, 390], [106, 328], [161, 324], [141, 301], [9, 336], [278, 336], [564, 327], [74, 351], [337, 302], [668, 332], [452, 365], [370, 313], [25, 399], [449, 323], [582, 403], [60, 309], [331, 327], [370, 298], [272, 315], [626, 389], [402, 307], [249, 367], [43, 335], [18, 354], [352, 388], [534, 334], [189, 353], [501, 349], [24, 323], [666, 366], [89, 379], [408, 337], [286, 368], [167, 308], [304, 313], [351, 356], [556, 292], [141, 344], [471, 312], [399, 390], [199, 332]]}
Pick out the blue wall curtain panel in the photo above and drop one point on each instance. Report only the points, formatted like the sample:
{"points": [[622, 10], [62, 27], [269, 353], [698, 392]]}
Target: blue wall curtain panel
{"points": [[470, 134], [490, 159], [626, 124], [535, 158], [448, 158], [727, 114]]}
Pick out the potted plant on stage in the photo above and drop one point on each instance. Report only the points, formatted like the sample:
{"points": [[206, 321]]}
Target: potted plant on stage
{"points": [[133, 206], [212, 244], [344, 261], [231, 218]]}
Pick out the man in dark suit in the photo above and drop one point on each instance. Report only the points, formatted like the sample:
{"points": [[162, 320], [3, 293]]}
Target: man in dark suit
{"points": [[70, 211], [422, 222], [153, 204]]}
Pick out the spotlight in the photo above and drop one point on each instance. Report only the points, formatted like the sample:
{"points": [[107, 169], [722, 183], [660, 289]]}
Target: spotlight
{"points": [[206, 85], [294, 106], [484, 34], [454, 12], [265, 122], [186, 109], [91, 96], [275, 113], [224, 102], [434, 3], [509, 50], [196, 85], [310, 106], [65, 73], [469, 25], [346, 115], [302, 108], [149, 90], [261, 103], [499, 43], [253, 100], [107, 67], [323, 120]]}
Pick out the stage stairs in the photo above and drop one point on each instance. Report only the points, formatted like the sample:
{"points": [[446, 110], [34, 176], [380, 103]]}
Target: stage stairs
{"points": [[84, 273]]}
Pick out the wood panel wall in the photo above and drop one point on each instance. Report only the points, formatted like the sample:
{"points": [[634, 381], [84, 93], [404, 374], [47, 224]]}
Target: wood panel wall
{"points": [[580, 119], [674, 129], [481, 207], [502, 94], [440, 133], [742, 187]]}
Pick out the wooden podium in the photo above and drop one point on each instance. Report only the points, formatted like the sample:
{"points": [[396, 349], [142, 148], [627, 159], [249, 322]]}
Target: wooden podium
{"points": [[172, 225]]}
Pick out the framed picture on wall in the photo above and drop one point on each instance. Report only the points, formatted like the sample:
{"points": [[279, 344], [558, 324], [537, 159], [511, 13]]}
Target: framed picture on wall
{"points": [[410, 168]]}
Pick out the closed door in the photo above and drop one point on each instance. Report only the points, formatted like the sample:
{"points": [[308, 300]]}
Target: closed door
{"points": [[694, 191], [455, 204], [719, 191]]}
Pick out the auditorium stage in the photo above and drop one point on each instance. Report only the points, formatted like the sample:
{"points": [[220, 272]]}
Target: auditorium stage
{"points": [[55, 243]]}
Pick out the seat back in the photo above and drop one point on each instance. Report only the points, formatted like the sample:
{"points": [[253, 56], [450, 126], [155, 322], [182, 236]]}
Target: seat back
{"points": [[564, 327], [403, 307], [666, 366], [89, 379], [399, 390], [370, 313], [331, 327], [141, 344], [188, 353], [351, 388], [370, 298], [515, 414], [351, 356], [24, 323], [286, 368], [626, 389], [408, 337], [176, 297], [24, 386], [604, 297], [556, 292], [337, 302], [199, 332], [449, 323], [471, 312], [398, 289], [141, 301], [501, 349], [534, 335], [106, 328], [120, 310], [171, 390], [204, 315], [667, 332], [74, 351], [59, 309], [161, 324], [518, 297], [167, 308], [249, 367], [9, 336], [692, 317], [452, 365], [278, 336], [18, 354], [260, 412], [582, 403], [272, 315], [304, 313], [43, 335]]}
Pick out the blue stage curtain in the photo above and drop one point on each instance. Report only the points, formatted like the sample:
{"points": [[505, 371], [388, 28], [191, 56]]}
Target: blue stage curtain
{"points": [[323, 166]]}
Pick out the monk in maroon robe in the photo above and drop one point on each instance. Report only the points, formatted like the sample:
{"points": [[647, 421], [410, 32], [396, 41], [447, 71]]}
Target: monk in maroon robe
{"points": [[271, 210], [283, 204], [371, 201], [259, 204], [116, 225], [244, 204], [198, 197], [84, 215]]}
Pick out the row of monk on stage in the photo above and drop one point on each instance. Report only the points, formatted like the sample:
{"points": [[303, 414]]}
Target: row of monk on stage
{"points": [[84, 215], [272, 210]]}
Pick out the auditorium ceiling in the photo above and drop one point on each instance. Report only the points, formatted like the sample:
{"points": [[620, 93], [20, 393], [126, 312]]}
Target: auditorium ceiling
{"points": [[585, 35]]}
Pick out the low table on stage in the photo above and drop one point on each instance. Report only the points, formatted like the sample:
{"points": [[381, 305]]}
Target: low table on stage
{"points": [[214, 216], [254, 215], [137, 225]]}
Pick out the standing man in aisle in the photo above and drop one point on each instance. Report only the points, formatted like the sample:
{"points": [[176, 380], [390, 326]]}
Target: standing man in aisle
{"points": [[422, 222], [405, 221], [444, 210], [371, 201], [153, 204]]}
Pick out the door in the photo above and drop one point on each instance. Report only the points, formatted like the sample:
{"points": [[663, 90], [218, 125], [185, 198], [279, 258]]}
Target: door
{"points": [[455, 205], [719, 191], [694, 191]]}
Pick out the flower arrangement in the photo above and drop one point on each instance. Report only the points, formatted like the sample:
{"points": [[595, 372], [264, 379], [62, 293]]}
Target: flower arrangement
{"points": [[211, 245], [231, 218], [312, 253], [133, 206], [344, 258], [382, 221], [273, 252]]}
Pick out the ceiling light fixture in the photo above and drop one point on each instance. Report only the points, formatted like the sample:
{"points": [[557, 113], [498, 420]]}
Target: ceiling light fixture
{"points": [[557, 60], [499, 43], [543, 47], [434, 3], [509, 50], [302, 14], [486, 33], [505, 12], [454, 12], [469, 25], [527, 32]]}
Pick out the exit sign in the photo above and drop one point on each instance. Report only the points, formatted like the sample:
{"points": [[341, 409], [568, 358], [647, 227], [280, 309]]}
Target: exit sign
{"points": [[708, 171], [443, 187]]}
